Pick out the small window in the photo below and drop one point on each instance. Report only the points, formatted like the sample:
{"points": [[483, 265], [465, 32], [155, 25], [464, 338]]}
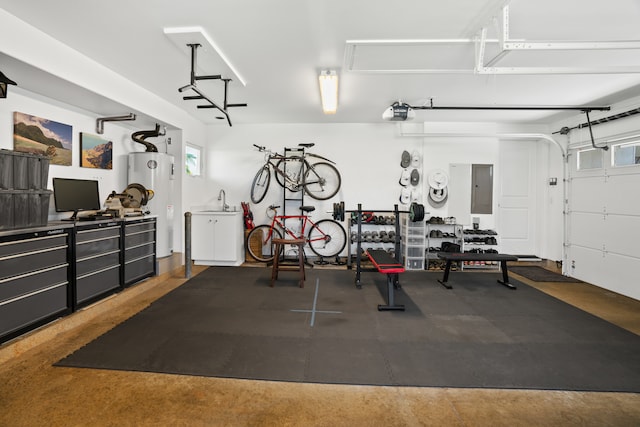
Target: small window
{"points": [[193, 160], [626, 154], [589, 159]]}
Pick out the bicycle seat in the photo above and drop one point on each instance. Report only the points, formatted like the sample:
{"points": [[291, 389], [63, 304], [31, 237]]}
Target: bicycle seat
{"points": [[307, 144], [307, 208]]}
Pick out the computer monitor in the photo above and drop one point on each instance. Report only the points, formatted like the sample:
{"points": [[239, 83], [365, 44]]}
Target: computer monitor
{"points": [[74, 195]]}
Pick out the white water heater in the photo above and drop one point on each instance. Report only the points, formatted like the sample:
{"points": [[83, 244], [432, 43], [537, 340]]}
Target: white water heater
{"points": [[155, 171]]}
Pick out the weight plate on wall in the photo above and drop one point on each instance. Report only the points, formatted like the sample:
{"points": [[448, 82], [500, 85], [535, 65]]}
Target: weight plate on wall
{"points": [[416, 212]]}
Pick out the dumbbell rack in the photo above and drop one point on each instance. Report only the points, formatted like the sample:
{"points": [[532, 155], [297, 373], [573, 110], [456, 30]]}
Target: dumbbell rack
{"points": [[358, 254]]}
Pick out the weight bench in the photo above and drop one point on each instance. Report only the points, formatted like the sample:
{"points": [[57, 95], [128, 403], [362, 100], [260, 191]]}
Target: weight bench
{"points": [[450, 257], [386, 264]]}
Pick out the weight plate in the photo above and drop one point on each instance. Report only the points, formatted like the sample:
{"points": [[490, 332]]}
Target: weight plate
{"points": [[438, 179], [416, 212]]}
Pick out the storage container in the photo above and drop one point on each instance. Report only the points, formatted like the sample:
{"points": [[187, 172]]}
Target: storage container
{"points": [[6, 169], [23, 171], [24, 208], [414, 263], [6, 209]]}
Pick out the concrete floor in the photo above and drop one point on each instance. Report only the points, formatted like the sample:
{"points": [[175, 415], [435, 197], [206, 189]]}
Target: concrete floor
{"points": [[34, 393]]}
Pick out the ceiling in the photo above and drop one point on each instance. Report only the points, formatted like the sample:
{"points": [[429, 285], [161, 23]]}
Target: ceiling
{"points": [[278, 47]]}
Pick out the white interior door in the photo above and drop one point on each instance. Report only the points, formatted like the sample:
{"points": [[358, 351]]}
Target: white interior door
{"points": [[517, 198]]}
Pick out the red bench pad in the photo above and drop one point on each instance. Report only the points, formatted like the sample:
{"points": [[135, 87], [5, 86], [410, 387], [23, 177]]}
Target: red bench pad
{"points": [[384, 262]]}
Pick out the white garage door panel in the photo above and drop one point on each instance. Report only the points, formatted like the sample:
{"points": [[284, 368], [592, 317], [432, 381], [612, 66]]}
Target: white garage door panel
{"points": [[587, 194], [622, 235], [589, 265], [620, 274], [587, 230], [621, 195], [614, 272]]}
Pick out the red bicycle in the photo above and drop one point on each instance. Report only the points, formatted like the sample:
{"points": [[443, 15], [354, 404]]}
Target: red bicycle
{"points": [[326, 238]]}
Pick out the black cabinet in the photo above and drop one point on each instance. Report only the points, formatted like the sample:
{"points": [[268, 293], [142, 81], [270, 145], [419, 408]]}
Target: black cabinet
{"points": [[97, 264], [35, 273], [139, 254], [48, 272]]}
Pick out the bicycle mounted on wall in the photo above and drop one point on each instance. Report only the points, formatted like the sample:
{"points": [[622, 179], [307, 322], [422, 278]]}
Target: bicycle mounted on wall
{"points": [[320, 180]]}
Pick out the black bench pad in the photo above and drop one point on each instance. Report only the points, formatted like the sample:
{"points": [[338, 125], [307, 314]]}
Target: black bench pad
{"points": [[449, 257]]}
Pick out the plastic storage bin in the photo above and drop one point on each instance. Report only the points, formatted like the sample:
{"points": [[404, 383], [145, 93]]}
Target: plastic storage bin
{"points": [[24, 199], [23, 171]]}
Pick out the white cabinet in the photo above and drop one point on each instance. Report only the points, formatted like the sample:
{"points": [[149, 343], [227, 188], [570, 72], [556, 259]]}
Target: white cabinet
{"points": [[217, 238]]}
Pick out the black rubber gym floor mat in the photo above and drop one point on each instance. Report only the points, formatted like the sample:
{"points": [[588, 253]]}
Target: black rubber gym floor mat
{"points": [[227, 322]]}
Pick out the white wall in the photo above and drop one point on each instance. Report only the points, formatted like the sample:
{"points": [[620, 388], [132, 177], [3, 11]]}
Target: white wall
{"points": [[114, 179], [367, 155], [109, 180]]}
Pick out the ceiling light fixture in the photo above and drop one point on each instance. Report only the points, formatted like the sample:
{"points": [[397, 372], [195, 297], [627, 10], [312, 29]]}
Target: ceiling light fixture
{"points": [[328, 80], [4, 81]]}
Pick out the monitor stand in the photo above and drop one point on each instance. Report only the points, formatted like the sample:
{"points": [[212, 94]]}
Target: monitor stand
{"points": [[73, 217]]}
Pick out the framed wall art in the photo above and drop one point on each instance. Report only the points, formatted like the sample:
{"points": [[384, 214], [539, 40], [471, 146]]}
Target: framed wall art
{"points": [[95, 152], [37, 135]]}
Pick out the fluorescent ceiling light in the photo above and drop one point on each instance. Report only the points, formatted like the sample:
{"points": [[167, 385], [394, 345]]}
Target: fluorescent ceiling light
{"points": [[328, 80]]}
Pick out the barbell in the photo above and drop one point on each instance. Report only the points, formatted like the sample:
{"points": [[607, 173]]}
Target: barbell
{"points": [[416, 211]]}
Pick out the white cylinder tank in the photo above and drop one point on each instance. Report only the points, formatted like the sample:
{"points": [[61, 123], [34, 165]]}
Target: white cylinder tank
{"points": [[155, 171]]}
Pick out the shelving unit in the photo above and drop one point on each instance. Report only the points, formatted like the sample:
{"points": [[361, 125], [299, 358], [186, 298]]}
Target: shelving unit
{"points": [[436, 235], [374, 235], [480, 241]]}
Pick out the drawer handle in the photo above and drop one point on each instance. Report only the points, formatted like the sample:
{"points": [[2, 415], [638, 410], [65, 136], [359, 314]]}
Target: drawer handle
{"points": [[30, 294]]}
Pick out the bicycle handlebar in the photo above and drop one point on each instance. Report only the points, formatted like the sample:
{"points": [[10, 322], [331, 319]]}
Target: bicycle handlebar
{"points": [[260, 148]]}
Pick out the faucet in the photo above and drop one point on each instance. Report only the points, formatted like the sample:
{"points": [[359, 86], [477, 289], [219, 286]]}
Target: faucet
{"points": [[223, 196]]}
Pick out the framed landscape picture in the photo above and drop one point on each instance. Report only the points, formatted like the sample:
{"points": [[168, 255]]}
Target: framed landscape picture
{"points": [[37, 135], [95, 152]]}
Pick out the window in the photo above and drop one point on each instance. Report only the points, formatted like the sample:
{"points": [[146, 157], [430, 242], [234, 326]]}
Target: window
{"points": [[590, 159], [193, 160], [626, 154]]}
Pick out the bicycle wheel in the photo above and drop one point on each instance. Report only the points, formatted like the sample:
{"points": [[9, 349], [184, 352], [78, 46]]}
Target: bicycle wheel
{"points": [[321, 181], [292, 167], [259, 242], [327, 238], [260, 184]]}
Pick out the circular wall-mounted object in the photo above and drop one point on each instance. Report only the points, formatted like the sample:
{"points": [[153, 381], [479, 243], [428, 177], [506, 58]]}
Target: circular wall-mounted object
{"points": [[438, 197], [438, 179]]}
